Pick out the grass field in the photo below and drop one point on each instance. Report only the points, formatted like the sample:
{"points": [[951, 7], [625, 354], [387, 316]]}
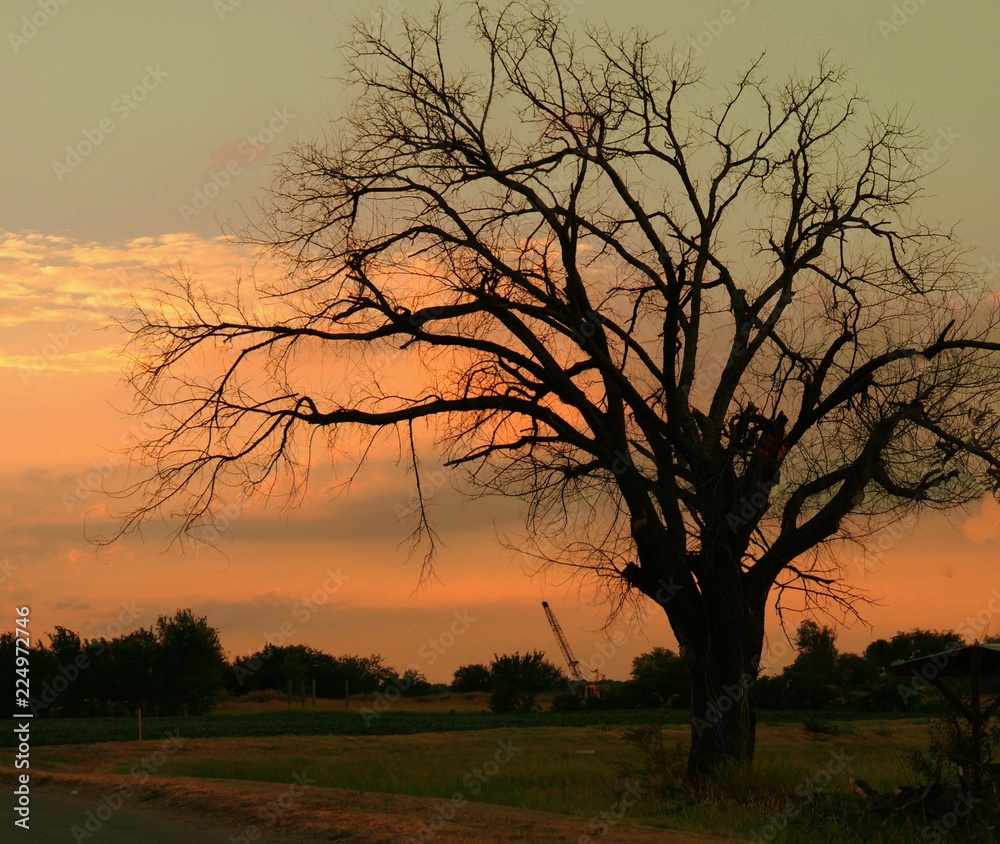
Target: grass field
{"points": [[572, 770], [577, 763]]}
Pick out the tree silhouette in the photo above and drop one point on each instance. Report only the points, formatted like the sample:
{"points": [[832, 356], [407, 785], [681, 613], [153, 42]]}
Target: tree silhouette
{"points": [[659, 677], [471, 678], [190, 664], [703, 336], [809, 682]]}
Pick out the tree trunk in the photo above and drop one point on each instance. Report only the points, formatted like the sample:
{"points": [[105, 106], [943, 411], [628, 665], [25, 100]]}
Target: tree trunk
{"points": [[723, 667], [723, 714]]}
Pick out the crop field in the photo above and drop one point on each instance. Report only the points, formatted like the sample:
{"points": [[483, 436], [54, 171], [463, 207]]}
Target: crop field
{"points": [[297, 721]]}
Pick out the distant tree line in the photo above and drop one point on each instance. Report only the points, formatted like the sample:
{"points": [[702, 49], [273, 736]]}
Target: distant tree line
{"points": [[273, 667], [175, 667], [178, 666], [821, 677]]}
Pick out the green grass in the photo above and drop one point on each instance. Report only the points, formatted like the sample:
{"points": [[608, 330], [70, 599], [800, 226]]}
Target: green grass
{"points": [[549, 772]]}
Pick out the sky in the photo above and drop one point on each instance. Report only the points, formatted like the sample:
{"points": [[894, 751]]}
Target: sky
{"points": [[137, 136]]}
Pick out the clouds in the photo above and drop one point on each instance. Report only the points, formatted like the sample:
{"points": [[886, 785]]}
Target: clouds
{"points": [[985, 525], [48, 279], [72, 605]]}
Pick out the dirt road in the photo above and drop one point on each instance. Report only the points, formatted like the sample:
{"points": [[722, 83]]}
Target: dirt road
{"points": [[58, 817], [180, 810]]}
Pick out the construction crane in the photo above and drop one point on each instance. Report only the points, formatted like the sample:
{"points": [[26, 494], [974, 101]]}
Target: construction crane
{"points": [[574, 665]]}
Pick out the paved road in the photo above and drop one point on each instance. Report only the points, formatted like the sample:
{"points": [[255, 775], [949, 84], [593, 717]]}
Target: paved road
{"points": [[55, 814]]}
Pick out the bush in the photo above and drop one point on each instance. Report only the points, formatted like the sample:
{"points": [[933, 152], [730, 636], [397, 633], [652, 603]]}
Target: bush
{"points": [[507, 698], [529, 672], [566, 702], [659, 677], [472, 678]]}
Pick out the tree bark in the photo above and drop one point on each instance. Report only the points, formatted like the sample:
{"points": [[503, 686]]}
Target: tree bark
{"points": [[723, 664]]}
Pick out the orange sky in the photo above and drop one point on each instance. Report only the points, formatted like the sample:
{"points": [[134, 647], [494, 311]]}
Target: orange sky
{"points": [[334, 568], [71, 248]]}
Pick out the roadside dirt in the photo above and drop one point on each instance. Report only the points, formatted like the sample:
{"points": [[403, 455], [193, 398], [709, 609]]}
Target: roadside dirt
{"points": [[254, 812]]}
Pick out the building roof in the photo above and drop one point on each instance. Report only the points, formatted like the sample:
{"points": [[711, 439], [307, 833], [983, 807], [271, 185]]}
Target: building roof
{"points": [[954, 663]]}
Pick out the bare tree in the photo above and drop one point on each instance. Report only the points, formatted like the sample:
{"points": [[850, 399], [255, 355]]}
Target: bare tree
{"points": [[708, 321]]}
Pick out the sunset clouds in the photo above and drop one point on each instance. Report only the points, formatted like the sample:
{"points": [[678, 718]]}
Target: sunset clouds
{"points": [[59, 357]]}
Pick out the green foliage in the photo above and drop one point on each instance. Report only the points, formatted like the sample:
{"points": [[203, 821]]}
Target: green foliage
{"points": [[176, 667], [516, 680], [508, 698], [810, 679], [549, 773], [911, 644], [659, 768], [566, 702], [190, 664], [529, 672], [472, 678], [263, 671], [950, 747], [305, 722], [660, 678], [132, 670], [822, 677], [412, 683]]}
